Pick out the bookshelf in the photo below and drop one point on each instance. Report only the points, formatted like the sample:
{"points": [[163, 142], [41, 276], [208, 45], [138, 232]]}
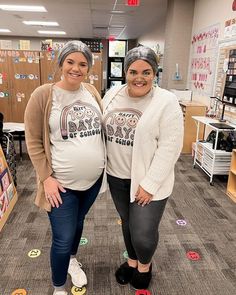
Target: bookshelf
{"points": [[231, 186], [8, 194]]}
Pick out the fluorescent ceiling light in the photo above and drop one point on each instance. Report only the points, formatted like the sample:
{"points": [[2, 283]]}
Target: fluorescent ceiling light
{"points": [[117, 11], [52, 32], [40, 23], [5, 31], [116, 26], [23, 8]]}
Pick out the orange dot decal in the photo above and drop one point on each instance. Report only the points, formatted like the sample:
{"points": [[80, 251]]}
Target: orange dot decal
{"points": [[19, 292], [119, 221]]}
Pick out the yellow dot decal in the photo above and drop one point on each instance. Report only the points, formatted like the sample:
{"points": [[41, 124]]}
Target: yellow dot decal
{"points": [[34, 253], [78, 291], [19, 292]]}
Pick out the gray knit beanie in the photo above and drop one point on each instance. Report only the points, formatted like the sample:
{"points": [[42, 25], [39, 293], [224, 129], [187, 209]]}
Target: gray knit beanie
{"points": [[75, 46], [141, 52]]}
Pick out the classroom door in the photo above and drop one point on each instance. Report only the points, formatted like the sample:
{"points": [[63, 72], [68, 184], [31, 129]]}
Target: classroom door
{"points": [[116, 55], [116, 74]]}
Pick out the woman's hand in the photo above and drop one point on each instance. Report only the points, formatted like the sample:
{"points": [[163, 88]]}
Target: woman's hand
{"points": [[143, 197], [52, 188]]}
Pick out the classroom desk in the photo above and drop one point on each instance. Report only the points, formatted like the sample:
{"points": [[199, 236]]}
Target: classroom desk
{"points": [[17, 130]]}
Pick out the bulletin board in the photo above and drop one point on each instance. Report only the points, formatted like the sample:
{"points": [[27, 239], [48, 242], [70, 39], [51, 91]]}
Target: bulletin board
{"points": [[8, 194], [203, 60]]}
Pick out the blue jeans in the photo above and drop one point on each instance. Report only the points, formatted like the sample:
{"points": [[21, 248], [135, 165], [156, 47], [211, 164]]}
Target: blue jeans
{"points": [[67, 225]]}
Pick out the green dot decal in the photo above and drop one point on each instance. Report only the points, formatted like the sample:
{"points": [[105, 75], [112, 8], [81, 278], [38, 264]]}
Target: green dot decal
{"points": [[83, 241], [125, 254]]}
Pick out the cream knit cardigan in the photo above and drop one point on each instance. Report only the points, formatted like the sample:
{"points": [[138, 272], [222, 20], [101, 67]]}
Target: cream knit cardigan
{"points": [[38, 140], [157, 145]]}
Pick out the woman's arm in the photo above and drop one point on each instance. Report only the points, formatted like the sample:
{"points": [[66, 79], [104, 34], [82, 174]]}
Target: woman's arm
{"points": [[169, 146], [34, 132], [34, 129]]}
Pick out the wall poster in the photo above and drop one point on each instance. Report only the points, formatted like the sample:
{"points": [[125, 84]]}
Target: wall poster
{"points": [[203, 59]]}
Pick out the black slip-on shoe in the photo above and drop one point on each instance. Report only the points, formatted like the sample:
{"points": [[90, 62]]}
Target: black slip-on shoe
{"points": [[124, 273], [141, 280]]}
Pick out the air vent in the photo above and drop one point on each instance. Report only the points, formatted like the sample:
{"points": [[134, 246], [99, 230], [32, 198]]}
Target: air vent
{"points": [[100, 27], [17, 16]]}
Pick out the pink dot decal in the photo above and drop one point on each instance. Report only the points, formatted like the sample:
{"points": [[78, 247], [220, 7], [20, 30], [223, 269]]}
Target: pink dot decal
{"points": [[193, 255]]}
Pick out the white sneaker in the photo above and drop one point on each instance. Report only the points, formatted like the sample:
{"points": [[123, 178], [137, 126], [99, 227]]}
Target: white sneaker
{"points": [[78, 277], [56, 292]]}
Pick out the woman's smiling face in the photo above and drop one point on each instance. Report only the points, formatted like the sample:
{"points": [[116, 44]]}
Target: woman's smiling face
{"points": [[74, 70], [139, 78]]}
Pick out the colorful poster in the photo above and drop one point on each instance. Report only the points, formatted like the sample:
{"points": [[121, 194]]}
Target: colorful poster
{"points": [[5, 180], [24, 44], [203, 60], [3, 204], [1, 162], [230, 28]]}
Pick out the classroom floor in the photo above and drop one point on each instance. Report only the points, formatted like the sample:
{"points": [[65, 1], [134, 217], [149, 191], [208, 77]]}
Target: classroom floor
{"points": [[210, 230]]}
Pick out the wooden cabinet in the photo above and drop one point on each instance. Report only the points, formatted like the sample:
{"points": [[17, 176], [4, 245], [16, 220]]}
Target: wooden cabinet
{"points": [[5, 86], [49, 69], [19, 76], [95, 73], [191, 108], [231, 186], [21, 71], [24, 72]]}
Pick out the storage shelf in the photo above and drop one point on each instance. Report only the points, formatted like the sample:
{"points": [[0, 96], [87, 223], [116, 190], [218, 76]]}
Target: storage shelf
{"points": [[232, 195], [233, 171], [210, 160]]}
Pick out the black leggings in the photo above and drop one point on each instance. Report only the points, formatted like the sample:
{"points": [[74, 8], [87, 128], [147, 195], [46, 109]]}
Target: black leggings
{"points": [[139, 224]]}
